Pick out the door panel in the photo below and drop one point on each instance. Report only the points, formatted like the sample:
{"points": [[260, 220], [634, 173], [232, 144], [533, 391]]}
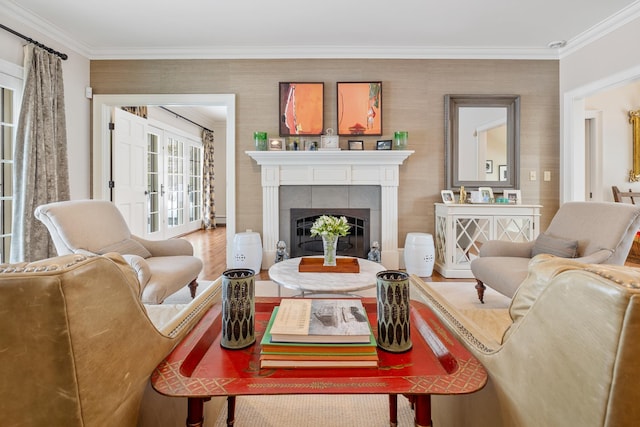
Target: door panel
{"points": [[130, 169]]}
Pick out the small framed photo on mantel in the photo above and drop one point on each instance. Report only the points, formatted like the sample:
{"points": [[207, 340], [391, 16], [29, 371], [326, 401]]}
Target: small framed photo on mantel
{"points": [[356, 144], [383, 144], [276, 144]]}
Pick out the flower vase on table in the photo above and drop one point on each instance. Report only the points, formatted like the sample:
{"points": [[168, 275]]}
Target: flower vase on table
{"points": [[329, 245], [330, 228]]}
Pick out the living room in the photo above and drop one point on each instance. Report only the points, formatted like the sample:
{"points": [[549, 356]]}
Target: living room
{"points": [[556, 86]]}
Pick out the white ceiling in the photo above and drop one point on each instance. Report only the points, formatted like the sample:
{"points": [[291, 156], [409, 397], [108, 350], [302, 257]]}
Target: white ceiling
{"points": [[141, 29], [121, 29]]}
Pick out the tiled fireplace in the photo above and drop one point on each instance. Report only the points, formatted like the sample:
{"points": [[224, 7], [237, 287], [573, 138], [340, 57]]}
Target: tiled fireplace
{"points": [[340, 175]]}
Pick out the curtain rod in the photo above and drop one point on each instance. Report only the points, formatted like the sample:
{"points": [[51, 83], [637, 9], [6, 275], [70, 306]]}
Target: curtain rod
{"points": [[184, 118], [64, 56]]}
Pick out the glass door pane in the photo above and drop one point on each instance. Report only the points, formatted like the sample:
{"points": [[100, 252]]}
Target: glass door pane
{"points": [[175, 188], [195, 183], [8, 118], [153, 183]]}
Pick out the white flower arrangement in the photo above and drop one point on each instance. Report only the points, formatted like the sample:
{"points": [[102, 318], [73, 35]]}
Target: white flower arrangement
{"points": [[330, 226]]}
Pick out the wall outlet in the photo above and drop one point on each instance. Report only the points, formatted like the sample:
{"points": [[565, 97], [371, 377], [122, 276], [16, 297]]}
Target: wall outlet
{"points": [[547, 175], [532, 176]]}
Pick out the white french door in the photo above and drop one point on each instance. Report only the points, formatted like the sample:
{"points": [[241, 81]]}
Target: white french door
{"points": [[157, 178], [129, 165]]}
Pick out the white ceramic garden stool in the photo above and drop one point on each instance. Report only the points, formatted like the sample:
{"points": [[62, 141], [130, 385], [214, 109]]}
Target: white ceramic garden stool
{"points": [[247, 251], [419, 254]]}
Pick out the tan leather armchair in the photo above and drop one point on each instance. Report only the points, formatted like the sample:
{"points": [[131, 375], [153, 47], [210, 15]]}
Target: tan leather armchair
{"points": [[601, 232], [97, 227], [564, 354], [77, 347]]}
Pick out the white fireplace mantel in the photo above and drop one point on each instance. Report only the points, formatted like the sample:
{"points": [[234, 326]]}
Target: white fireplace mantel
{"points": [[331, 168]]}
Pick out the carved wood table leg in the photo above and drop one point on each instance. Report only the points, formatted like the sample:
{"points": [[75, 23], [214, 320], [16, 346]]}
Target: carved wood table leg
{"points": [[480, 287], [422, 410], [231, 410], [192, 287], [393, 410]]}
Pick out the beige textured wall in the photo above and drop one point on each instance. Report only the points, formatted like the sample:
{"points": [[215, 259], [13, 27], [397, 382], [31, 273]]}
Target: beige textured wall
{"points": [[413, 100]]}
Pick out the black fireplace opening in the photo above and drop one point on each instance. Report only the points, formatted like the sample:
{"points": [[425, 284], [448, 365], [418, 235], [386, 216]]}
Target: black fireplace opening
{"points": [[355, 244]]}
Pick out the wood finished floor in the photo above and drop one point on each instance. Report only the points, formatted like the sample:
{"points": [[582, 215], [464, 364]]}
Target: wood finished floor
{"points": [[210, 246]]}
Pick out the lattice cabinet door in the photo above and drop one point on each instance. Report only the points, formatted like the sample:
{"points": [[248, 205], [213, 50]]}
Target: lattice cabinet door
{"points": [[470, 233], [461, 230], [514, 228]]}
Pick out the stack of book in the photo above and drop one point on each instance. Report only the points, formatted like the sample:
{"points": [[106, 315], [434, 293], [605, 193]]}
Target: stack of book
{"points": [[314, 333]]}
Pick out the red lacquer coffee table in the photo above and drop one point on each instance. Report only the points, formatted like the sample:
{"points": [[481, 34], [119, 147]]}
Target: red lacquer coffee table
{"points": [[198, 368]]}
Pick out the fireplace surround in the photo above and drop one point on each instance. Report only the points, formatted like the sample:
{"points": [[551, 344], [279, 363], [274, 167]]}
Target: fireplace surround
{"points": [[331, 168]]}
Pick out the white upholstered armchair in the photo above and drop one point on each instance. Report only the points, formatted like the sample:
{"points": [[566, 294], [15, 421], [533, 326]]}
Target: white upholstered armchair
{"points": [[97, 227], [589, 232]]}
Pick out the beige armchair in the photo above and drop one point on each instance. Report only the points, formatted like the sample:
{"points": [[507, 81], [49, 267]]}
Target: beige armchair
{"points": [[564, 354], [97, 227], [590, 232], [78, 347]]}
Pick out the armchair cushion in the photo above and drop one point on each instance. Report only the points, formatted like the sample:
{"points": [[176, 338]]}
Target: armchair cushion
{"points": [[126, 247], [536, 282], [558, 246], [141, 267]]}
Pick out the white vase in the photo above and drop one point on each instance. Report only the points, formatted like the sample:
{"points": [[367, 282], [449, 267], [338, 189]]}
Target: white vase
{"points": [[329, 245]]}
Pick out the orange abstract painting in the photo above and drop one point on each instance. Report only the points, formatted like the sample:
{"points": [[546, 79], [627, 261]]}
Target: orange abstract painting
{"points": [[301, 108], [359, 108]]}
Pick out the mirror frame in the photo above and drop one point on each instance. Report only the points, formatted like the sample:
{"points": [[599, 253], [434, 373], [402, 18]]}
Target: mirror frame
{"points": [[452, 105], [634, 119]]}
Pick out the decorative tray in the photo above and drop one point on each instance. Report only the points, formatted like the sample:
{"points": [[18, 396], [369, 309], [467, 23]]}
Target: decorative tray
{"points": [[343, 265]]}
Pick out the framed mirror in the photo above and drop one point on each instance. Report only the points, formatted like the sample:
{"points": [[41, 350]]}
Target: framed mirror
{"points": [[482, 141]]}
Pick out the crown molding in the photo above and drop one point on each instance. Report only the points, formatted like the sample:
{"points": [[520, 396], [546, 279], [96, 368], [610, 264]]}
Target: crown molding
{"points": [[601, 29], [328, 52], [46, 28], [622, 17]]}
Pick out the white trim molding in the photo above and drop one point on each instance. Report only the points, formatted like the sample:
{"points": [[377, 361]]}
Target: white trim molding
{"points": [[331, 168]]}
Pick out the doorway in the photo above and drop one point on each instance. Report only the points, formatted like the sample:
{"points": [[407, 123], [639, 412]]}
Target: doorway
{"points": [[572, 143], [101, 143]]}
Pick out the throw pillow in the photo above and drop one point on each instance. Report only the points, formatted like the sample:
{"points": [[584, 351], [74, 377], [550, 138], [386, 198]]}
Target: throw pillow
{"points": [[557, 246], [126, 247]]}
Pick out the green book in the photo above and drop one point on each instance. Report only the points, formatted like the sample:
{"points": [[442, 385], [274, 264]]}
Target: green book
{"points": [[270, 347]]}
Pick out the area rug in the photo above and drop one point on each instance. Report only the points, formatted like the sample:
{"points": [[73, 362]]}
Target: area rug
{"points": [[183, 296], [305, 410]]}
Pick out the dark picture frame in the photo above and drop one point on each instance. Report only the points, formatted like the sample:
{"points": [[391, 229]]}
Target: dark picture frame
{"points": [[359, 108], [356, 144], [488, 166], [384, 144], [301, 108]]}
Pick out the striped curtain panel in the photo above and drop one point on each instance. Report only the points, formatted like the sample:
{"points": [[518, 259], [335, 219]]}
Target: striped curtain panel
{"points": [[208, 181]]}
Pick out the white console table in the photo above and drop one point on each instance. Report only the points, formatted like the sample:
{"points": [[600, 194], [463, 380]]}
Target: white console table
{"points": [[462, 228]]}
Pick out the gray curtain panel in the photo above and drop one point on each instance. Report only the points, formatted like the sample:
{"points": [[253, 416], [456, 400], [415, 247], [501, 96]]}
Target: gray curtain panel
{"points": [[208, 181], [41, 170]]}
